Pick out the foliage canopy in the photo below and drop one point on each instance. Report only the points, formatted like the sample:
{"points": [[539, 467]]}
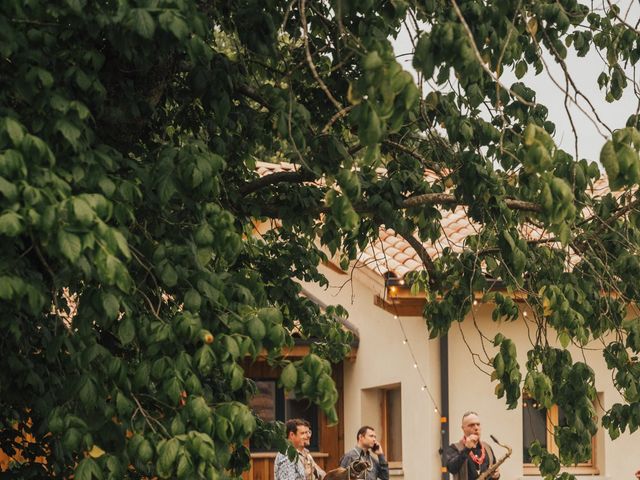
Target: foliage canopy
{"points": [[129, 132]]}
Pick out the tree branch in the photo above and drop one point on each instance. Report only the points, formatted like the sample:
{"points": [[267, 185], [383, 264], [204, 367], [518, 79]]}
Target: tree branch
{"points": [[449, 199], [416, 201], [253, 95], [418, 246], [273, 178], [428, 164], [312, 67]]}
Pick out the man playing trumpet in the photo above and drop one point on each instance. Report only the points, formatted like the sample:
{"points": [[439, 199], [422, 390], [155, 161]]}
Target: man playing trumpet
{"points": [[468, 458]]}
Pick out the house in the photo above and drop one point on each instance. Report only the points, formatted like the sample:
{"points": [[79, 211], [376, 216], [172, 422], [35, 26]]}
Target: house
{"points": [[273, 403], [414, 390]]}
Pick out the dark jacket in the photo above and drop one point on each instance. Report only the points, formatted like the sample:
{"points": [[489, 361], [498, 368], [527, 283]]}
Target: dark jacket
{"points": [[458, 461], [379, 465]]}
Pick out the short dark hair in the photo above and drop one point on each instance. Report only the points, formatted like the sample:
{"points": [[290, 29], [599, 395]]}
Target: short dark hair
{"points": [[291, 426], [362, 431]]}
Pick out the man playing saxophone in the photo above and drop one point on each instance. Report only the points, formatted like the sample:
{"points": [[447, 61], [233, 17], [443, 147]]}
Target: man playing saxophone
{"points": [[470, 457]]}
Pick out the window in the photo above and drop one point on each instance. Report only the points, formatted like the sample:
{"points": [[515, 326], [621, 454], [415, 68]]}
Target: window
{"points": [[538, 424], [382, 410], [273, 403], [392, 424]]}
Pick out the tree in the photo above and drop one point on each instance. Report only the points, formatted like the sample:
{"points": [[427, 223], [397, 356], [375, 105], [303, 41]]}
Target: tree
{"points": [[129, 133]]}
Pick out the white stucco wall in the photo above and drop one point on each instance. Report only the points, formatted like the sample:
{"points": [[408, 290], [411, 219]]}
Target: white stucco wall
{"points": [[472, 390], [383, 360]]}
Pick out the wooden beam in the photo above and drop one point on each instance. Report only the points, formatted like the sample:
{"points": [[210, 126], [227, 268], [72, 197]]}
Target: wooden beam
{"points": [[301, 351], [402, 307], [399, 301]]}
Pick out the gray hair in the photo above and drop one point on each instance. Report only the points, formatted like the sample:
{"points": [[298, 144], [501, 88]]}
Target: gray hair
{"points": [[466, 414]]}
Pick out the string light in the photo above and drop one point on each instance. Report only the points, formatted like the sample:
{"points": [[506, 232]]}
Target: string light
{"points": [[475, 303], [525, 314], [423, 382]]}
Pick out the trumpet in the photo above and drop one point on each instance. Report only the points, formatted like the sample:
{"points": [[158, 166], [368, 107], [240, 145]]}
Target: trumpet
{"points": [[487, 473]]}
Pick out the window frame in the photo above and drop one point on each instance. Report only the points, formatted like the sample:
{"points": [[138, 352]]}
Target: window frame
{"points": [[586, 468], [280, 414], [384, 421]]}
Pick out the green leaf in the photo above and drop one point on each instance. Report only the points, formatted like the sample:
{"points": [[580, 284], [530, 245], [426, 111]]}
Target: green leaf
{"points": [[88, 469], [70, 245], [237, 377], [185, 466], [166, 189], [173, 390], [144, 452], [45, 77], [88, 393], [83, 80], [8, 189], [111, 305], [142, 22], [107, 186], [11, 224], [289, 376], [167, 454], [69, 131], [82, 211], [192, 300], [126, 330], [6, 289], [14, 130], [76, 5], [120, 242], [122, 279], [372, 61], [204, 255], [169, 276], [371, 130], [199, 409], [109, 268], [174, 23]]}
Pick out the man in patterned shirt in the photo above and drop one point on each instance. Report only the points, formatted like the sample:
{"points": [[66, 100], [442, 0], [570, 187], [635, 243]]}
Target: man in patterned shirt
{"points": [[303, 467]]}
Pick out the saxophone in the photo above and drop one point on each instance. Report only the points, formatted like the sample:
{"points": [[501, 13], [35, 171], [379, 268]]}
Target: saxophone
{"points": [[487, 473]]}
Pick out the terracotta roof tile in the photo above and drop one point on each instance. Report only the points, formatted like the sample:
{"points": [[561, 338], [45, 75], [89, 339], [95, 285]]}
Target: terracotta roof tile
{"points": [[390, 253]]}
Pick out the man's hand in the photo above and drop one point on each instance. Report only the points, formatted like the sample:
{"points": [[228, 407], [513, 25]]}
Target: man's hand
{"points": [[377, 449], [496, 474], [472, 441]]}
